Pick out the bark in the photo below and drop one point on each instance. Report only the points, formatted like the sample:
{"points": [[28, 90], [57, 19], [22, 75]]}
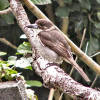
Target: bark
{"points": [[51, 73], [86, 59], [12, 90]]}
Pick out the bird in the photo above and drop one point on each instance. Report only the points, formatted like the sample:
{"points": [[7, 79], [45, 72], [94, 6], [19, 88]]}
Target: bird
{"points": [[52, 38]]}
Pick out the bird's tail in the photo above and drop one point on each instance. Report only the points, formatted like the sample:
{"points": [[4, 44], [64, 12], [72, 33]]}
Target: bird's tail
{"points": [[79, 69]]}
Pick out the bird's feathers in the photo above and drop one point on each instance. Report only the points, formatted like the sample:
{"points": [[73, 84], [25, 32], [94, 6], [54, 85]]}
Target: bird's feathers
{"points": [[56, 42]]}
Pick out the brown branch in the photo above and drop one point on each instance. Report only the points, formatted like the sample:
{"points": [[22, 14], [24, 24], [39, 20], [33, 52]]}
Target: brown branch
{"points": [[65, 23], [83, 37], [61, 96], [6, 11], [52, 74], [86, 59], [94, 81], [51, 93], [65, 20], [55, 77], [5, 41]]}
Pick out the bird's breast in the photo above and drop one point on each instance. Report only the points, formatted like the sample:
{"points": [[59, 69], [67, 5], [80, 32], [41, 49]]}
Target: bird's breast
{"points": [[50, 55], [46, 52]]}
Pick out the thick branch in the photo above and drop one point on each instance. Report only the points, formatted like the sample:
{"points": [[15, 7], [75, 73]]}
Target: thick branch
{"points": [[55, 77], [52, 75], [86, 59]]}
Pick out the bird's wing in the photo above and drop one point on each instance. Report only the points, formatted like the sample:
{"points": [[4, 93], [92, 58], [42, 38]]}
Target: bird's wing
{"points": [[58, 44], [55, 41]]}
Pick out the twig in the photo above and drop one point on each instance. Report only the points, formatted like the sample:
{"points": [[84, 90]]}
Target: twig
{"points": [[86, 59], [86, 49], [6, 11], [83, 37], [60, 98], [65, 23], [51, 93], [98, 53], [94, 81], [5, 41]]}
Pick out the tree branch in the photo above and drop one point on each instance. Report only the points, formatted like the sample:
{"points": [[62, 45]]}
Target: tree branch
{"points": [[82, 40], [6, 11], [51, 73], [86, 59], [5, 41]]}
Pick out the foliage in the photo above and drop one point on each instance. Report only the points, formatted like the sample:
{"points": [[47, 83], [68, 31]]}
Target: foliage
{"points": [[3, 4], [9, 18], [83, 14], [41, 2], [34, 83], [7, 73], [2, 53], [7, 68], [24, 48]]}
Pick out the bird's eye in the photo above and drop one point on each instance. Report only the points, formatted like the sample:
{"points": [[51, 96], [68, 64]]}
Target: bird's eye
{"points": [[42, 24]]}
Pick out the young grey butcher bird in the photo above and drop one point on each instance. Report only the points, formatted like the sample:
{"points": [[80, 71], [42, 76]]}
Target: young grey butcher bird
{"points": [[52, 39]]}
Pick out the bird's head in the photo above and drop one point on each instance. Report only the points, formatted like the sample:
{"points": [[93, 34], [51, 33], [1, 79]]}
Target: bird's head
{"points": [[41, 24]]}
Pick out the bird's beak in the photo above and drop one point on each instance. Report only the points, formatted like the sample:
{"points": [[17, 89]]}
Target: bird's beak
{"points": [[35, 26]]}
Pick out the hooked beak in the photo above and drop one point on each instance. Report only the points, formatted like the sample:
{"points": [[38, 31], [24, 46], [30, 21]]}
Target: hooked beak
{"points": [[35, 26]]}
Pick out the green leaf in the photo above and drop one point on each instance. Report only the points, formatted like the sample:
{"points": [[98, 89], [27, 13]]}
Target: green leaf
{"points": [[23, 36], [29, 67], [23, 62], [9, 18], [34, 83], [74, 7], [3, 63], [85, 4], [98, 15], [97, 25], [12, 60], [98, 1], [94, 46], [7, 73], [11, 71], [62, 12], [24, 48], [78, 26], [67, 1], [3, 4], [3, 53], [41, 2]]}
